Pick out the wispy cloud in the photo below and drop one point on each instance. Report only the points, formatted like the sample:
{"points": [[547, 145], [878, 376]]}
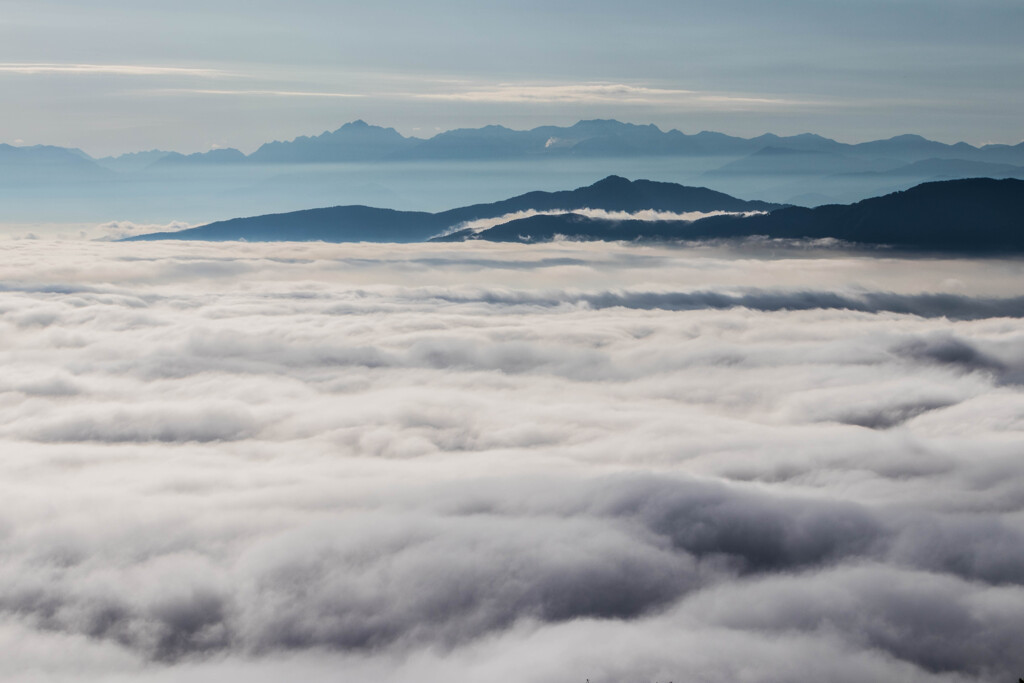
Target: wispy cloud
{"points": [[32, 68], [260, 93], [583, 92], [408, 87], [603, 93]]}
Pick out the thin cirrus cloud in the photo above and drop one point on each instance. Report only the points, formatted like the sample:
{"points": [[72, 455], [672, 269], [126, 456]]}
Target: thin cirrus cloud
{"points": [[602, 93], [261, 93], [457, 91], [36, 68]]}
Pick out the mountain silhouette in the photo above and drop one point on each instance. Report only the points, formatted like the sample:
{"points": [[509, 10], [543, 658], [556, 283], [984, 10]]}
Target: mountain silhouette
{"points": [[133, 161], [363, 223], [359, 141], [978, 215], [935, 169], [804, 142], [214, 156], [489, 142], [355, 141], [46, 164], [913, 146], [613, 193], [332, 224]]}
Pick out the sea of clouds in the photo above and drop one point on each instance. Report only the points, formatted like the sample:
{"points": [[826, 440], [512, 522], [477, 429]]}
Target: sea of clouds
{"points": [[483, 462]]}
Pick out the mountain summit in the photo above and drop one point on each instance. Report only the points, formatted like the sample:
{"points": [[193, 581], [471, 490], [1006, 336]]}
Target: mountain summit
{"points": [[977, 215], [354, 141]]}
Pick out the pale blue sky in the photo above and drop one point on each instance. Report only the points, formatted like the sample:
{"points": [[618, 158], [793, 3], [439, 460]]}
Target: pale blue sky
{"points": [[113, 76]]}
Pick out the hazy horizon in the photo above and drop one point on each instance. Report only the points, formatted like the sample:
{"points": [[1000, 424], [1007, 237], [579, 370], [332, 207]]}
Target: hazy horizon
{"points": [[112, 76]]}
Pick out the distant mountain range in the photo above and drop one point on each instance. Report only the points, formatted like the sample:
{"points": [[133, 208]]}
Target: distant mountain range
{"points": [[214, 156], [359, 141], [363, 164], [364, 223], [964, 216], [48, 164]]}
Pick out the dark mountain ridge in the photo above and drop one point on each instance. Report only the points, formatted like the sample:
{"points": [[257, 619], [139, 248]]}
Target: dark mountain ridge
{"points": [[978, 215], [363, 223], [613, 193]]}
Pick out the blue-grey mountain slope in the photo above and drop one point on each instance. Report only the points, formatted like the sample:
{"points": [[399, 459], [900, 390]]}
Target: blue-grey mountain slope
{"points": [[48, 165], [362, 164], [978, 215], [213, 157], [608, 138], [805, 154], [355, 141], [613, 193], [942, 169], [133, 162], [363, 223]]}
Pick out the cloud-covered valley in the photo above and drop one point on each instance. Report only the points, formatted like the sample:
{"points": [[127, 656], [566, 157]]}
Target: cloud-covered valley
{"points": [[540, 463]]}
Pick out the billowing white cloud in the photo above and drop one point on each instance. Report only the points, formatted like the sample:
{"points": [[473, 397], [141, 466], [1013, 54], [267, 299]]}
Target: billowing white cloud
{"points": [[435, 462]]}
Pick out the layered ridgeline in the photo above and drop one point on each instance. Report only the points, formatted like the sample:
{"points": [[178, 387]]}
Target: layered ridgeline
{"points": [[369, 224], [47, 164], [973, 215], [360, 163], [359, 141]]}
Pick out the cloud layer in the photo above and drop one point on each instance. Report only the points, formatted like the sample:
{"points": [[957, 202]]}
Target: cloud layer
{"points": [[251, 462]]}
